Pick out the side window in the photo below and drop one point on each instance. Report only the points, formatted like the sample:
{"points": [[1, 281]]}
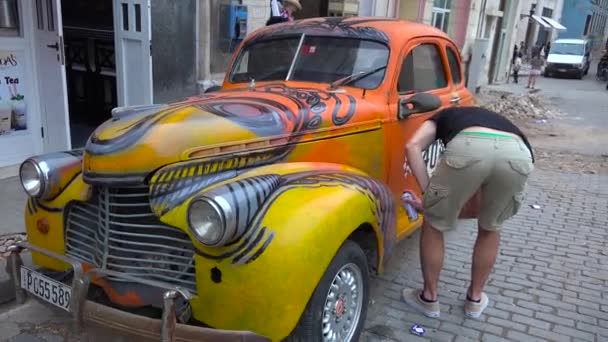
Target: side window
{"points": [[455, 69], [422, 70]]}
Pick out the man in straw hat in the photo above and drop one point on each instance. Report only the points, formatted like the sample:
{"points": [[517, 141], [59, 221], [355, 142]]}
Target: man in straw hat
{"points": [[289, 8]]}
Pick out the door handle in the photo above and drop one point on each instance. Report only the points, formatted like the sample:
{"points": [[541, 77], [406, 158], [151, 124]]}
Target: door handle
{"points": [[455, 99], [54, 46]]}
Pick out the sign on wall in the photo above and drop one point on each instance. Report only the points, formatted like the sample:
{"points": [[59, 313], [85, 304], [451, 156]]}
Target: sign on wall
{"points": [[13, 108]]}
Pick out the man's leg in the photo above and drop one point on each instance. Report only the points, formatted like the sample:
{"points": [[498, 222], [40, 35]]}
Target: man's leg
{"points": [[431, 259], [484, 257]]}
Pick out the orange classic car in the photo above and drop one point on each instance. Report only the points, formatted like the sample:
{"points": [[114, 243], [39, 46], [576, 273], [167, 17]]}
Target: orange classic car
{"points": [[256, 211]]}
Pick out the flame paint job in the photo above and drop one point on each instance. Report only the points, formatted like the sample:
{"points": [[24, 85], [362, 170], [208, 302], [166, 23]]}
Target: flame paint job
{"points": [[306, 166]]}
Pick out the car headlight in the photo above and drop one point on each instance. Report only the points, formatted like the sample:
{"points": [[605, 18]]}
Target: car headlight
{"points": [[207, 221], [224, 214], [33, 179]]}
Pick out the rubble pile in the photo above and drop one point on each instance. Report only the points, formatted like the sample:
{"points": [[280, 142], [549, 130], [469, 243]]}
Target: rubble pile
{"points": [[518, 107], [7, 240]]}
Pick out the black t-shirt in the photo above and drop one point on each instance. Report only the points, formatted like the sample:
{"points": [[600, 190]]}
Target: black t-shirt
{"points": [[451, 121]]}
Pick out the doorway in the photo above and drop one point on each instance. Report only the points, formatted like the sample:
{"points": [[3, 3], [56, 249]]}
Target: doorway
{"points": [[91, 57], [90, 64], [312, 9]]}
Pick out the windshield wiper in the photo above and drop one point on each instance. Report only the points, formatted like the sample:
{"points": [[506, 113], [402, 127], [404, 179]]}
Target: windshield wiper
{"points": [[354, 77]]}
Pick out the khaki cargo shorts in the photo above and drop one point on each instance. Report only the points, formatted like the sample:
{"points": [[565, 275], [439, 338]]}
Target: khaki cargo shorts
{"points": [[500, 165]]}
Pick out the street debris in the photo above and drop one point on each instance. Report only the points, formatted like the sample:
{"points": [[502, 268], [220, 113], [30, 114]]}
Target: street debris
{"points": [[535, 206], [518, 107], [417, 330], [7, 240]]}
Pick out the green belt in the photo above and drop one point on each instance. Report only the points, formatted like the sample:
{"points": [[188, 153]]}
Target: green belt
{"points": [[488, 134]]}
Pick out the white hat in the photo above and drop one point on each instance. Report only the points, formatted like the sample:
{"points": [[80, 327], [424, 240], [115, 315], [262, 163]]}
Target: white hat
{"points": [[294, 3]]}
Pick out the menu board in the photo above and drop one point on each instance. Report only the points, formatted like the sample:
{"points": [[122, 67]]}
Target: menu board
{"points": [[13, 99]]}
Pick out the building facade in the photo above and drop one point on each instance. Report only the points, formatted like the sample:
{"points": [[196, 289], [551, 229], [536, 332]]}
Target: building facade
{"points": [[540, 21], [65, 64], [467, 22], [586, 19]]}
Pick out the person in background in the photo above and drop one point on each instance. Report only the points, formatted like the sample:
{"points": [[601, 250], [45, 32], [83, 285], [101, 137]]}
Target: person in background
{"points": [[536, 64], [515, 54], [547, 49], [517, 67], [485, 166], [289, 8], [275, 20]]}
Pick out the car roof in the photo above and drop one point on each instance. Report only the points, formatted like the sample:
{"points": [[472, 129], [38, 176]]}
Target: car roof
{"points": [[571, 41], [388, 30]]}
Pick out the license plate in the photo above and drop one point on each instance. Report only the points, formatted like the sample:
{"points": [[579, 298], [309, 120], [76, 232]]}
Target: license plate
{"points": [[46, 288], [561, 70]]}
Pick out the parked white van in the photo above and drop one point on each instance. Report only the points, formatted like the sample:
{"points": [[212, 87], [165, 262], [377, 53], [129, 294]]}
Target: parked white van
{"points": [[569, 56]]}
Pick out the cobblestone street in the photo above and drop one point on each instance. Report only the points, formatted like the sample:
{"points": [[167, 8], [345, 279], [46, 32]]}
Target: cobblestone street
{"points": [[550, 282]]}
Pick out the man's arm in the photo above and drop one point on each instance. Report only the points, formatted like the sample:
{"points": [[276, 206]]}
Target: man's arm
{"points": [[423, 137]]}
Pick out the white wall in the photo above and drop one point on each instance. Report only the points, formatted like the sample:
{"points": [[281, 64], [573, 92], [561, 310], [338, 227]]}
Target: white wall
{"points": [[257, 14]]}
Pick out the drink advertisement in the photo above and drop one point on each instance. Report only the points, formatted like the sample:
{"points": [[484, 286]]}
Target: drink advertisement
{"points": [[13, 101]]}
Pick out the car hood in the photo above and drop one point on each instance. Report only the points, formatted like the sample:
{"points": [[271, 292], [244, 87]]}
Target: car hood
{"points": [[565, 59], [138, 140]]}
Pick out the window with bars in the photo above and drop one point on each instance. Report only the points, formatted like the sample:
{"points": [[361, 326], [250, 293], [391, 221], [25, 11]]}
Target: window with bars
{"points": [[441, 14]]}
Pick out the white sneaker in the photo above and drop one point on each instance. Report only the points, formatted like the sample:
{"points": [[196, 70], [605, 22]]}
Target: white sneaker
{"points": [[412, 298], [474, 309]]}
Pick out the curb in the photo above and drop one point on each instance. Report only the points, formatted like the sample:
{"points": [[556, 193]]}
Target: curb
{"points": [[7, 290]]}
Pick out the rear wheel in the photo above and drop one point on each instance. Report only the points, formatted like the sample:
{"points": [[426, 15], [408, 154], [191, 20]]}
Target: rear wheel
{"points": [[337, 309]]}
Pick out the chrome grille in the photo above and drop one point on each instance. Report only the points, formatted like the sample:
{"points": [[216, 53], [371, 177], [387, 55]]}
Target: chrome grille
{"points": [[117, 230], [565, 66]]}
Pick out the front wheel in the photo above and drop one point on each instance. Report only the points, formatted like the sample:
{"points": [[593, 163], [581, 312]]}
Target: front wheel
{"points": [[337, 309]]}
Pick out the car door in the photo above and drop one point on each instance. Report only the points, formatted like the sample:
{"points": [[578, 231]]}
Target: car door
{"points": [[460, 95], [423, 69]]}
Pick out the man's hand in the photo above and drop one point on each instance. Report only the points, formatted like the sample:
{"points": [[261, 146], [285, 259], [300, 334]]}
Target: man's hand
{"points": [[416, 202]]}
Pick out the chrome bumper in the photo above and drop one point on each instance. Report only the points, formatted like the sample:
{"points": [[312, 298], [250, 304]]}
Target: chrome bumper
{"points": [[166, 329]]}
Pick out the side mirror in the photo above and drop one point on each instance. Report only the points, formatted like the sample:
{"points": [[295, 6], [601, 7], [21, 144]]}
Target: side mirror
{"points": [[419, 103]]}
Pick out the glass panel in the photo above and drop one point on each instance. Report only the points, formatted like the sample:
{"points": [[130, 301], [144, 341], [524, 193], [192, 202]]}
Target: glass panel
{"points": [[568, 49], [422, 70], [406, 77], [438, 3], [50, 14], [40, 14], [10, 25], [438, 20], [320, 60], [125, 17], [454, 66], [138, 17], [448, 4], [446, 22]]}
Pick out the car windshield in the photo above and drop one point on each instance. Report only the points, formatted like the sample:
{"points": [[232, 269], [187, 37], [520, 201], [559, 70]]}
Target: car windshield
{"points": [[567, 49], [312, 59]]}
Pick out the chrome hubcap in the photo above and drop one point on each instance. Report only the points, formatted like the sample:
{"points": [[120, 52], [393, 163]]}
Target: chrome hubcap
{"points": [[343, 305]]}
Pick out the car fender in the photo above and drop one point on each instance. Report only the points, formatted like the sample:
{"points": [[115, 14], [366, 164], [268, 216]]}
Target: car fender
{"points": [[50, 213], [262, 282]]}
